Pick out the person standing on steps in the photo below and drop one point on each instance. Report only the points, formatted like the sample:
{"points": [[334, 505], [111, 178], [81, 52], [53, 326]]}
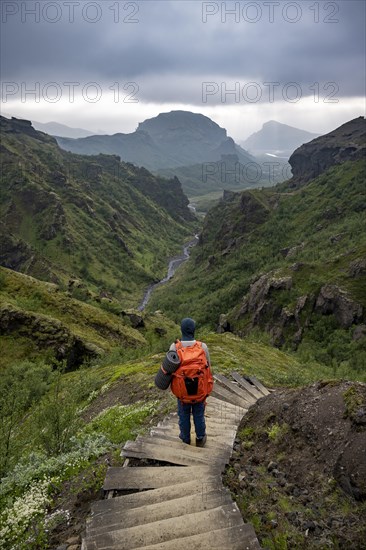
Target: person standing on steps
{"points": [[191, 383]]}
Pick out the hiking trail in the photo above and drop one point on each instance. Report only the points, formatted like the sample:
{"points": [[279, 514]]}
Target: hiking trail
{"points": [[182, 504]]}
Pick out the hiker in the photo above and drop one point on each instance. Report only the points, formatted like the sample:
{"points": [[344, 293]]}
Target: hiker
{"points": [[187, 370]]}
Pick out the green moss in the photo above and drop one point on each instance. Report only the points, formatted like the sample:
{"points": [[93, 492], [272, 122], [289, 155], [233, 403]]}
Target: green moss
{"points": [[354, 399], [277, 432], [121, 422]]}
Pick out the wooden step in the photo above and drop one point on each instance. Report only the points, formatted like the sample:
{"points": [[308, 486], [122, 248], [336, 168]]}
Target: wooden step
{"points": [[246, 385], [152, 496], [212, 428], [151, 477], [175, 508], [183, 447], [229, 397], [223, 415], [136, 449], [231, 386], [212, 400], [230, 538], [141, 536], [213, 441], [258, 385]]}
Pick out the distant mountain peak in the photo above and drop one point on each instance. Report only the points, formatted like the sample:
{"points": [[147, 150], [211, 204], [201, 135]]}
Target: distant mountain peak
{"points": [[276, 137]]}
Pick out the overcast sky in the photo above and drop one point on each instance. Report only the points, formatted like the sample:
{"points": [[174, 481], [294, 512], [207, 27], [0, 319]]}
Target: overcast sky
{"points": [[107, 65]]}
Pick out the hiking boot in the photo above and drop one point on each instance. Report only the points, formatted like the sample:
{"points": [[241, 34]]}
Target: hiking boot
{"points": [[201, 442]]}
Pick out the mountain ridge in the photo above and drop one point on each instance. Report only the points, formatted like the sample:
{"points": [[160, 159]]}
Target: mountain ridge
{"points": [[169, 140], [90, 218], [287, 261]]}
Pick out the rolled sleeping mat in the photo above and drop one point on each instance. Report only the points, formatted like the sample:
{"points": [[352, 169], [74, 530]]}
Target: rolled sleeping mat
{"points": [[171, 362], [162, 381]]}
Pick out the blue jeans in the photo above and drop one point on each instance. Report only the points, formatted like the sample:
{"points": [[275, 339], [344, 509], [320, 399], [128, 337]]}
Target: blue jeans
{"points": [[184, 415]]}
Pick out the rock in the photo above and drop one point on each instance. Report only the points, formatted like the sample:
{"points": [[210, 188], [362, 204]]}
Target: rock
{"points": [[336, 238], [297, 266], [357, 268], [360, 417], [273, 523], [333, 300], [315, 157], [277, 473], [272, 466], [359, 332], [160, 331], [260, 290], [309, 525], [294, 250], [224, 325], [136, 320]]}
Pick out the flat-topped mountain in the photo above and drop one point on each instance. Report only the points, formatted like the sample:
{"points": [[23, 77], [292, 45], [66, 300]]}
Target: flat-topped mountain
{"points": [[169, 140], [277, 138]]}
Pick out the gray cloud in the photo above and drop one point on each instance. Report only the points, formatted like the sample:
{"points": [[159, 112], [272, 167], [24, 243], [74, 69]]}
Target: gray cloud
{"points": [[170, 51]]}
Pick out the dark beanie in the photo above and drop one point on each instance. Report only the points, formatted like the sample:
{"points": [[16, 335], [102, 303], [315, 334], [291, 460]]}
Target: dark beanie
{"points": [[188, 327]]}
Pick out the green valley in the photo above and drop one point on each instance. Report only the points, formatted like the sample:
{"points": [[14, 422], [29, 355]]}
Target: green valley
{"points": [[276, 284]]}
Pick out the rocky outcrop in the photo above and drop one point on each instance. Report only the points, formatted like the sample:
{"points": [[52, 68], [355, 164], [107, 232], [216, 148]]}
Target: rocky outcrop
{"points": [[357, 268], [333, 300], [224, 324], [262, 306], [136, 320], [260, 291], [348, 142], [19, 126], [264, 311], [47, 332]]}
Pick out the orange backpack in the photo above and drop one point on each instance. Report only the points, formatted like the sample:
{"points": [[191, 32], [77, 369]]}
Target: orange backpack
{"points": [[192, 382]]}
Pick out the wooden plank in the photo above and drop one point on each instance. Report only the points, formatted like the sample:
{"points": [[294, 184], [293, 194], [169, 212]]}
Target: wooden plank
{"points": [[258, 385], [213, 441], [179, 445], [137, 449], [165, 530], [142, 498], [231, 386], [212, 429], [212, 400], [226, 395], [150, 477], [185, 504], [231, 538], [245, 384]]}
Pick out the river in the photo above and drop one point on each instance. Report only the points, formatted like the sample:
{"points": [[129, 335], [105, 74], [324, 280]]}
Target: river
{"points": [[174, 263]]}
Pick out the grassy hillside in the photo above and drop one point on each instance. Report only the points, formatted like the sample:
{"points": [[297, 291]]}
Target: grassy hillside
{"points": [[38, 321], [65, 216], [261, 251]]}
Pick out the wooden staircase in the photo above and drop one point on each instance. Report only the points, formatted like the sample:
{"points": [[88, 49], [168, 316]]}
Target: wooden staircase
{"points": [[182, 505]]}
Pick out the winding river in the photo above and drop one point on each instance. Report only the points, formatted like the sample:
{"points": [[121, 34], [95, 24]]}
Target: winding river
{"points": [[174, 263]]}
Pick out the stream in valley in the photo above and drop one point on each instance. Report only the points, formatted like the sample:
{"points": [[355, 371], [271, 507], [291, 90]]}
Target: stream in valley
{"points": [[174, 263]]}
